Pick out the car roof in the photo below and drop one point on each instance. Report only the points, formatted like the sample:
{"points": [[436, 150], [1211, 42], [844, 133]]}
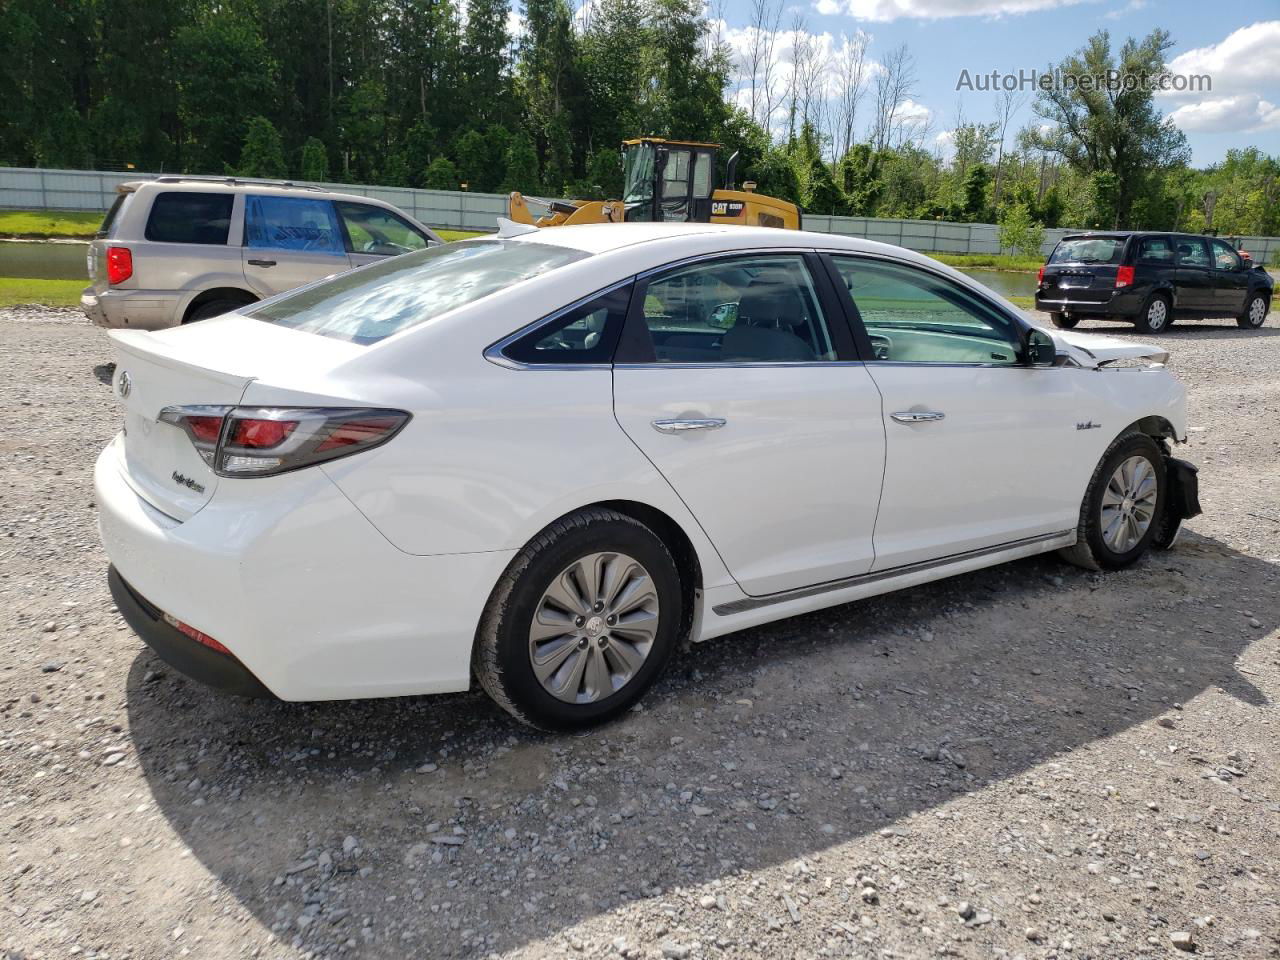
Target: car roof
{"points": [[278, 188]]}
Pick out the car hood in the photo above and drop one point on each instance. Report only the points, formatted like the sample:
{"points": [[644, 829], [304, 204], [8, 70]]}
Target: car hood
{"points": [[1095, 350]]}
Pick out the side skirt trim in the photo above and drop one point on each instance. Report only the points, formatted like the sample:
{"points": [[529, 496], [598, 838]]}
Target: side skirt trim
{"points": [[754, 603]]}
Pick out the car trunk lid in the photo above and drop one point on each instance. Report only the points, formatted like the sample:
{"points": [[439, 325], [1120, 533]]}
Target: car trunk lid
{"points": [[1078, 281]]}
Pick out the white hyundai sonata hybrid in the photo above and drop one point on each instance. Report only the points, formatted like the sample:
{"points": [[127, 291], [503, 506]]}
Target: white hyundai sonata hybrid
{"points": [[543, 459]]}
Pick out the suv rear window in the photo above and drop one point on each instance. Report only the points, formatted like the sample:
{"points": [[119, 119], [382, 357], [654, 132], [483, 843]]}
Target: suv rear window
{"points": [[1088, 250], [109, 221], [367, 305], [182, 217]]}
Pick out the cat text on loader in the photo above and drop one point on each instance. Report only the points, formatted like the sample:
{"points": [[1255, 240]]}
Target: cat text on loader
{"points": [[669, 181]]}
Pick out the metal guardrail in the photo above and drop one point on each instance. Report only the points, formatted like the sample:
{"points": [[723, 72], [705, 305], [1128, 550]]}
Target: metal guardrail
{"points": [[27, 188]]}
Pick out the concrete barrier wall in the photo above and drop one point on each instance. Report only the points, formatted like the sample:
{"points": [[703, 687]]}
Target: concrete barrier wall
{"points": [[38, 189]]}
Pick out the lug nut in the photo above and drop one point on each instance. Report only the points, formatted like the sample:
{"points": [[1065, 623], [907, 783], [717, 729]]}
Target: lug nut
{"points": [[582, 644], [599, 605], [579, 621], [611, 619]]}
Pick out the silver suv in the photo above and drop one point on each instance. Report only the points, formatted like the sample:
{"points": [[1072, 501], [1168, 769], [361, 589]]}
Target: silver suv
{"points": [[179, 249]]}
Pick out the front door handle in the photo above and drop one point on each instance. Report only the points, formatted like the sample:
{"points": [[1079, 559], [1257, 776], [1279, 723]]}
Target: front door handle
{"points": [[681, 425], [917, 416], [262, 263]]}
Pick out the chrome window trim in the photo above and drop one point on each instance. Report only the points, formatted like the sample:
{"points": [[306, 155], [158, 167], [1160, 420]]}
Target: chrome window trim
{"points": [[495, 355], [755, 365]]}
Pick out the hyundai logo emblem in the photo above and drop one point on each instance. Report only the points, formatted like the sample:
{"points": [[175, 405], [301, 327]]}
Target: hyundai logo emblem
{"points": [[126, 384]]}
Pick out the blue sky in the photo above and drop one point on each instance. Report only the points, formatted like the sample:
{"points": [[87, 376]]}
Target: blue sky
{"points": [[1236, 43]]}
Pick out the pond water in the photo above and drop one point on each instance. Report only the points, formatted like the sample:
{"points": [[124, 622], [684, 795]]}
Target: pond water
{"points": [[1007, 284], [45, 261]]}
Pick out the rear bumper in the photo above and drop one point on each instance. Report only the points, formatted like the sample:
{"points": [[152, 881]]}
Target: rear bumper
{"points": [[311, 600], [1119, 305], [130, 309], [218, 670]]}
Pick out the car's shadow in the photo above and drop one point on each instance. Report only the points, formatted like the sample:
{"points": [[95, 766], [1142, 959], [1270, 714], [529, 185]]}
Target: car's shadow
{"points": [[104, 372], [752, 751], [1181, 330]]}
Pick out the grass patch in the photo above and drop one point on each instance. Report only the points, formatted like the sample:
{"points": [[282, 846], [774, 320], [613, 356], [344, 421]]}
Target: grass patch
{"points": [[49, 223], [16, 291], [990, 261], [451, 235]]}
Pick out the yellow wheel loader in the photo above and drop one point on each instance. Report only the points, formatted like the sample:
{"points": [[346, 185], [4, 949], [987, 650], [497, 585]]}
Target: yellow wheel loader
{"points": [[670, 181]]}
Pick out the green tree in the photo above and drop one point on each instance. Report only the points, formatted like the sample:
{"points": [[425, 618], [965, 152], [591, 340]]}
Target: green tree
{"points": [[521, 167], [440, 174], [1019, 232], [263, 152], [315, 161]]}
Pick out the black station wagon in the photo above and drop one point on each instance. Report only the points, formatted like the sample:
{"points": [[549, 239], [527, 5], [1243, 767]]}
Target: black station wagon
{"points": [[1151, 279]]}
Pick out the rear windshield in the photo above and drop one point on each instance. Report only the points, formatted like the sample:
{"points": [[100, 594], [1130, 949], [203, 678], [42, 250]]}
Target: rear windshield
{"points": [[364, 306], [1088, 250], [109, 220]]}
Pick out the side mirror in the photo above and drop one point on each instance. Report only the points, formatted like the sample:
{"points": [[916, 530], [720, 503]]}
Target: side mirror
{"points": [[724, 316], [1038, 349]]}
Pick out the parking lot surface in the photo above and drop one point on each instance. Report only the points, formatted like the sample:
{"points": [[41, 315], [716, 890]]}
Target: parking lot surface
{"points": [[1028, 761]]}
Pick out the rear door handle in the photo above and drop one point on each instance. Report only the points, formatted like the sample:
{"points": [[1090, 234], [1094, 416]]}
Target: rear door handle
{"points": [[261, 263], [917, 416], [681, 425]]}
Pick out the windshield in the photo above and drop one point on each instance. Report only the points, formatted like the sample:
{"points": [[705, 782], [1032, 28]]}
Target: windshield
{"points": [[367, 305], [638, 171], [1088, 250]]}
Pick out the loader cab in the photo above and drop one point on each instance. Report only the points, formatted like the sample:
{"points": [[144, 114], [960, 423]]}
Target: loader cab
{"points": [[668, 180]]}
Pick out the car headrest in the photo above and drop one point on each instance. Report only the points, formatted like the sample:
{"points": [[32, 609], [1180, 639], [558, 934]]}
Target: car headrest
{"points": [[770, 304]]}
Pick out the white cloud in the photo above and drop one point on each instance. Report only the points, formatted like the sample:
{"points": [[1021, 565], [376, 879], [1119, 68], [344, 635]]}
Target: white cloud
{"points": [[1243, 113], [1133, 6], [885, 10], [1245, 62]]}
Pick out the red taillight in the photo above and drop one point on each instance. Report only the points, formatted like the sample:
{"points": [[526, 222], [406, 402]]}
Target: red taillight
{"points": [[1124, 276], [260, 434], [355, 432], [119, 264], [201, 638], [1040, 276], [205, 429]]}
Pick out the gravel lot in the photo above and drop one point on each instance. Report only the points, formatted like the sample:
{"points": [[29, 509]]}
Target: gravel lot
{"points": [[1029, 762]]}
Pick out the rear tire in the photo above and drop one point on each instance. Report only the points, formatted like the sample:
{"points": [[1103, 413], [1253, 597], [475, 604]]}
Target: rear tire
{"points": [[1122, 506], [559, 668], [1255, 312], [1156, 315], [214, 308], [1063, 321]]}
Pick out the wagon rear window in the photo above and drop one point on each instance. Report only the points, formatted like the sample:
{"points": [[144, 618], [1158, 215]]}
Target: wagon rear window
{"points": [[1088, 250], [364, 306]]}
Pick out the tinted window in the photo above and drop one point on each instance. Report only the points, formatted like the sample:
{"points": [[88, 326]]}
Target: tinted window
{"points": [[587, 333], [292, 223], [113, 214], [1088, 250], [1225, 256], [375, 230], [366, 305], [181, 217], [1192, 252], [1155, 250], [913, 316], [759, 309]]}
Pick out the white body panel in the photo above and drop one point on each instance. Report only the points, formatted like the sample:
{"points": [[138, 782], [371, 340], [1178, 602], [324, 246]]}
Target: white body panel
{"points": [[367, 576]]}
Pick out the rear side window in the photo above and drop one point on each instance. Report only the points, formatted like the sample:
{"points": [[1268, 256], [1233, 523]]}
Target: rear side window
{"points": [[586, 333], [109, 221], [305, 224], [1155, 250], [366, 305], [1088, 250], [182, 217]]}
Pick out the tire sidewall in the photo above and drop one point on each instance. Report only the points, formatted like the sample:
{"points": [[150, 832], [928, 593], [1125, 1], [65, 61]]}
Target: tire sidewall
{"points": [[1248, 310], [520, 681], [1144, 325], [1131, 446], [1062, 321]]}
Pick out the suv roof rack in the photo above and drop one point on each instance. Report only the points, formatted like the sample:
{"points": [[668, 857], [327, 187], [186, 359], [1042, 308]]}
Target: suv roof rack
{"points": [[237, 182]]}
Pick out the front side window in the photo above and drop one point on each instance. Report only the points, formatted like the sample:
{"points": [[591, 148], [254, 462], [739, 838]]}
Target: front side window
{"points": [[752, 309], [378, 231], [1192, 252], [304, 224], [367, 305], [1156, 250], [583, 334], [1088, 250], [913, 316], [181, 216], [1224, 257]]}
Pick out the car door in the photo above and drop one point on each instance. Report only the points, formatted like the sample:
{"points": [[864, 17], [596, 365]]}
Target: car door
{"points": [[737, 377], [976, 442], [1194, 276], [1230, 279], [289, 241], [374, 233]]}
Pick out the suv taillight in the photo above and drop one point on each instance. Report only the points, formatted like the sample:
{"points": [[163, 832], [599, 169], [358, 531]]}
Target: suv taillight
{"points": [[119, 265], [1040, 276], [1124, 276], [262, 441]]}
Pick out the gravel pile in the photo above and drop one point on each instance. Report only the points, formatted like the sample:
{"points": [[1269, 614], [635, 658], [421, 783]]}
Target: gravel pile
{"points": [[1032, 761]]}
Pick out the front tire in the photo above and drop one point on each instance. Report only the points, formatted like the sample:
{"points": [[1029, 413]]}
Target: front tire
{"points": [[1156, 315], [581, 623], [1064, 321], [1255, 312], [1122, 506]]}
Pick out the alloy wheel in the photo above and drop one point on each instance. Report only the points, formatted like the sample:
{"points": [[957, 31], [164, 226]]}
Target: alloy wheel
{"points": [[1157, 314], [1129, 504], [1257, 311], [594, 627]]}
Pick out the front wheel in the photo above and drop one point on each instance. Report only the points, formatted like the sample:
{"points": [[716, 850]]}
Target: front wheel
{"points": [[1124, 499], [1156, 315], [1255, 312], [1063, 321], [582, 622]]}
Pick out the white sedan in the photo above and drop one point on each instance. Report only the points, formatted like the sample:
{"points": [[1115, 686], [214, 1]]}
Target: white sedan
{"points": [[544, 459]]}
